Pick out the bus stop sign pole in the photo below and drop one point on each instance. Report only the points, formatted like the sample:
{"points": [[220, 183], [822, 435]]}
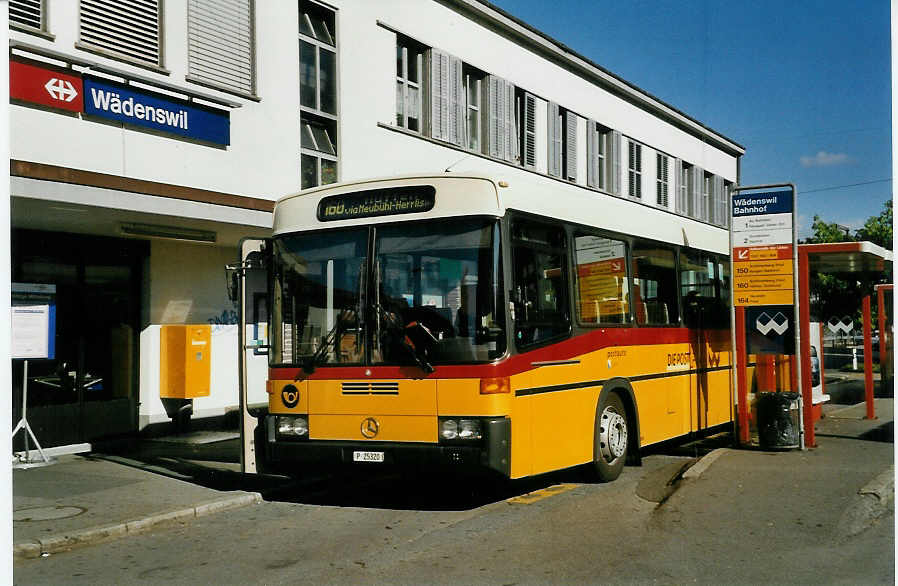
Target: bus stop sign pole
{"points": [[766, 308]]}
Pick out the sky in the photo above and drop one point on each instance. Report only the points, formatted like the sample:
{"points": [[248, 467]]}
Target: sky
{"points": [[803, 85]]}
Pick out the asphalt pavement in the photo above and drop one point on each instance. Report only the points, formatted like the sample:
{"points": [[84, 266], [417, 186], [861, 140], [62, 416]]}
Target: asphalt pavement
{"points": [[848, 480]]}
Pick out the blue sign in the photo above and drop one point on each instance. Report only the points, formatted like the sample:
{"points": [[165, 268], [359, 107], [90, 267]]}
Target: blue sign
{"points": [[758, 204], [129, 106]]}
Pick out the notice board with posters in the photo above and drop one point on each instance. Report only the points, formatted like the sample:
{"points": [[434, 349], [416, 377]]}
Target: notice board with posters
{"points": [[33, 321]]}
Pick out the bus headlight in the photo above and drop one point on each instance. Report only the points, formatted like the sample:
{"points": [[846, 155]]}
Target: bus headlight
{"points": [[452, 429], [293, 426]]}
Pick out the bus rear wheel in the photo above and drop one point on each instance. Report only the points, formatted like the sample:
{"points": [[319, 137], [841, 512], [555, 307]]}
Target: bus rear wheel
{"points": [[611, 439]]}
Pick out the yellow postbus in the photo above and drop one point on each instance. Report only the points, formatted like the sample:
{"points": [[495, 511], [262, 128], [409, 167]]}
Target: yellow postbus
{"points": [[474, 323]]}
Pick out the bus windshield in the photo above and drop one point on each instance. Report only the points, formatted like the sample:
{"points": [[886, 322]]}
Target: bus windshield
{"points": [[428, 296]]}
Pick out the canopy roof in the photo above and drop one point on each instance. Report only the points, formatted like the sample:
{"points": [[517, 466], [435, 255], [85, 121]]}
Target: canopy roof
{"points": [[847, 257]]}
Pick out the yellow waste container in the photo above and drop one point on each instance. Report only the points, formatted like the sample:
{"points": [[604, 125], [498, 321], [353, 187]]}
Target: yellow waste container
{"points": [[186, 362]]}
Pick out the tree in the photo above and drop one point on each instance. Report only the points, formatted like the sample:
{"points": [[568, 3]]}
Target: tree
{"points": [[827, 232], [840, 295], [878, 229]]}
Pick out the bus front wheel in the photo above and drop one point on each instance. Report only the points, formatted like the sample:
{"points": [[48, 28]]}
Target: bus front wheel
{"points": [[611, 438]]}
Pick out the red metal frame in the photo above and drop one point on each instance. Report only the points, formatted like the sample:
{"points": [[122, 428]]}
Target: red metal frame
{"points": [[868, 359], [804, 332]]}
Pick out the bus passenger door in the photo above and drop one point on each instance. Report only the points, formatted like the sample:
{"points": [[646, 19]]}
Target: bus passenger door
{"points": [[248, 287]]}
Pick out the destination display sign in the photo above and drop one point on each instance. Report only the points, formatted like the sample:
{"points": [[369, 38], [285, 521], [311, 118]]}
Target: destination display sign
{"points": [[377, 202]]}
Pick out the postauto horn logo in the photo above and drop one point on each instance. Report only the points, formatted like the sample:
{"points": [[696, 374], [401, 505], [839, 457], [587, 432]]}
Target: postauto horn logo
{"points": [[290, 396], [779, 323]]}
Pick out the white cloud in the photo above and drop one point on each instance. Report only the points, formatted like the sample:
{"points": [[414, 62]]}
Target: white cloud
{"points": [[824, 159]]}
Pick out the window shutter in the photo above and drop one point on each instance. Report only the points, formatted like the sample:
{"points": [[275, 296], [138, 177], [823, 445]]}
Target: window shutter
{"points": [[696, 177], [513, 153], [529, 146], [27, 12], [458, 116], [615, 162], [570, 130], [592, 154], [501, 119], [439, 95], [682, 188], [127, 27], [720, 205], [554, 132], [663, 180], [220, 44]]}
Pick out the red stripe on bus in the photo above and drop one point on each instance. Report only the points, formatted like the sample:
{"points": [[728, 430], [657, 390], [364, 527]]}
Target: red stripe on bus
{"points": [[563, 350]]}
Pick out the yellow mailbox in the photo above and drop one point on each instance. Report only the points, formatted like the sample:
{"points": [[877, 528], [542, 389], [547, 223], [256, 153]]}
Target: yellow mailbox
{"points": [[186, 362]]}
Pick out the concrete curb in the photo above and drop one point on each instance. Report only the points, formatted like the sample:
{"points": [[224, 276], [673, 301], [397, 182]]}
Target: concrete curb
{"points": [[873, 500], [697, 469], [92, 535]]}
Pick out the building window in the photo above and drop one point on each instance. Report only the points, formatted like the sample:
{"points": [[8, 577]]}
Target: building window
{"points": [[317, 58], [603, 136], [634, 170], [317, 95], [684, 171], [707, 186], [319, 152], [473, 87], [726, 197], [662, 183], [126, 29], [409, 72], [220, 45], [28, 14]]}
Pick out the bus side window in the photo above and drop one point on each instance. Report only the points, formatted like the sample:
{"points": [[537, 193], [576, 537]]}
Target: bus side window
{"points": [[654, 276], [540, 283], [701, 285]]}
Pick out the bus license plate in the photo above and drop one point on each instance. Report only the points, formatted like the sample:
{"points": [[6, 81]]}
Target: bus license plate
{"points": [[367, 456]]}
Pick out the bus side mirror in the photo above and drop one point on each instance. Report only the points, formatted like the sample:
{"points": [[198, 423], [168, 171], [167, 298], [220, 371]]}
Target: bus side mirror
{"points": [[232, 279]]}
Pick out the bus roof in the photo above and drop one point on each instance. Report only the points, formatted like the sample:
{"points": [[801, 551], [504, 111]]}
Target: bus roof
{"points": [[466, 194]]}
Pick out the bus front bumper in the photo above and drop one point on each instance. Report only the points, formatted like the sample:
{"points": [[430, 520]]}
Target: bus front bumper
{"points": [[493, 452]]}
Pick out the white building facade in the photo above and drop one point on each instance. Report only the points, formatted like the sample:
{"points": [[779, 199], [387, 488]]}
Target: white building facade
{"points": [[148, 136]]}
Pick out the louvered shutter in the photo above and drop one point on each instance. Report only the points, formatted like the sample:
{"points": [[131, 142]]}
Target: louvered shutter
{"points": [[127, 27], [682, 188], [615, 155], [511, 127], [220, 43], [529, 122], [458, 118], [663, 181], [503, 143], [720, 206], [554, 135], [439, 95], [592, 154], [570, 146], [696, 185], [27, 12]]}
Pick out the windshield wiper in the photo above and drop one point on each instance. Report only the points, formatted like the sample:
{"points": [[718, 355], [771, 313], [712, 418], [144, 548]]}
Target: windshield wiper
{"points": [[309, 364], [402, 334]]}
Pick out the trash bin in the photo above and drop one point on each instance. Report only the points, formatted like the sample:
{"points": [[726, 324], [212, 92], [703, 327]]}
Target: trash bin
{"points": [[775, 426]]}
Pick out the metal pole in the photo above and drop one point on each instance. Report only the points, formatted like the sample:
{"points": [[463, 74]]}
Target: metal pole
{"points": [[803, 347], [25, 406], [868, 360], [741, 391]]}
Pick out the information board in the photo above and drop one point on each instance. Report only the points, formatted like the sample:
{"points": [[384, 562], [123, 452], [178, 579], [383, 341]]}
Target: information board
{"points": [[763, 237], [33, 321]]}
